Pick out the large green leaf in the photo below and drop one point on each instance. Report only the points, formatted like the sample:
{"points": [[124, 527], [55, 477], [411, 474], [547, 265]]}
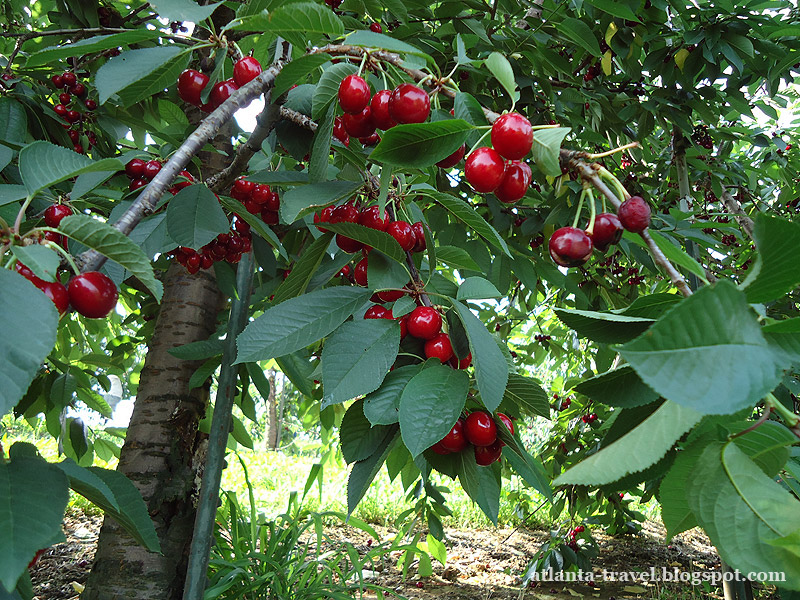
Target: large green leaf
{"points": [[297, 201], [482, 484], [138, 74], [370, 39], [43, 261], [546, 148], [328, 87], [298, 22], [606, 328], [364, 471], [581, 34], [491, 368], [184, 10], [380, 240], [92, 44], [357, 357], [381, 406], [298, 322], [296, 71], [33, 496], [675, 511], [777, 268], [464, 212], [526, 393], [430, 405], [302, 270], [357, 437], [708, 353], [321, 147], [502, 71], [420, 145], [621, 387], [115, 245], [530, 469], [13, 121], [643, 446], [28, 322], [195, 218], [457, 258]]}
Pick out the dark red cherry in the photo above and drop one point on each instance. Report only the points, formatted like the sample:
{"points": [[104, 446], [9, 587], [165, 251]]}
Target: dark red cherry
{"points": [[453, 159], [516, 179], [419, 237], [403, 233], [360, 272], [570, 247], [512, 136], [378, 312], [221, 91], [486, 455], [360, 125], [339, 132], [371, 140], [135, 168], [68, 79], [371, 217], [455, 440], [151, 169], [634, 214], [55, 213], [190, 86], [92, 294], [380, 110], [409, 104], [484, 169], [607, 231], [353, 95], [376, 28], [347, 244], [56, 291]]}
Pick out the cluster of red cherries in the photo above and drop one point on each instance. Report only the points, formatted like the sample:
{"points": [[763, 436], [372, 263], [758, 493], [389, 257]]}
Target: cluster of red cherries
{"points": [[410, 237], [480, 430], [572, 537], [192, 82], [227, 247], [365, 113], [141, 172], [258, 199], [71, 88]]}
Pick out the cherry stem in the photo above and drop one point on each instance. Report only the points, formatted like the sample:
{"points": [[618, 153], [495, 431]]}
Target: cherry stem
{"points": [[580, 206], [478, 143], [593, 211], [761, 420], [21, 213], [363, 62], [613, 151], [540, 127], [791, 418], [57, 247]]}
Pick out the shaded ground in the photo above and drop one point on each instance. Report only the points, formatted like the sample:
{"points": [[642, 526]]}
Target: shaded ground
{"points": [[481, 565]]}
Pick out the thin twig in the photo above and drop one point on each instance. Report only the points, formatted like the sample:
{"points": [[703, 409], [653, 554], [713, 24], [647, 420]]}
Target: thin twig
{"points": [[735, 208]]}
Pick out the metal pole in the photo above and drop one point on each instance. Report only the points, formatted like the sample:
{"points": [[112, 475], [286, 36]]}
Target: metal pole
{"points": [[200, 551]]}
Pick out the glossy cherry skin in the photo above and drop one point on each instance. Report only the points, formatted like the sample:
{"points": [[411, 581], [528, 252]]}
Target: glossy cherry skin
{"points": [[512, 136], [607, 231], [403, 233], [376, 27], [242, 189], [347, 244], [480, 429], [439, 449], [360, 272], [346, 213], [484, 169], [378, 312], [516, 179], [190, 86], [339, 132], [69, 79], [58, 81], [60, 110], [409, 104], [439, 347], [570, 247], [390, 295], [419, 236], [90, 104], [92, 294], [359, 125], [453, 159], [370, 217], [462, 363], [245, 70], [64, 98], [221, 91], [56, 292], [380, 110], [135, 168], [151, 169], [634, 214], [371, 140], [507, 422], [273, 201], [455, 440], [260, 193], [54, 213], [73, 116], [135, 184], [78, 90], [424, 322], [486, 455], [353, 95]]}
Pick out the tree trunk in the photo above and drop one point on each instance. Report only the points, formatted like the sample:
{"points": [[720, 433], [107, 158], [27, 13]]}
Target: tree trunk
{"points": [[274, 427], [163, 453]]}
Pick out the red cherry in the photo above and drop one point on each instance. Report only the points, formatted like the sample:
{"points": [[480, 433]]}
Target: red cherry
{"points": [[58, 81], [347, 244], [480, 429], [190, 86], [369, 141], [26, 272], [92, 294], [151, 169], [390, 295], [370, 217], [56, 292], [64, 98], [339, 132], [378, 312], [54, 213], [359, 125], [90, 104], [78, 90], [439, 347], [516, 179], [486, 455], [424, 322], [242, 189], [484, 169], [252, 207], [135, 184], [260, 193], [462, 363], [580, 529], [570, 247], [78, 148], [403, 233], [455, 440], [69, 79], [439, 449], [419, 237], [353, 95], [512, 136], [221, 91], [607, 231], [324, 216], [634, 214], [346, 213], [179, 185], [376, 27], [74, 136], [453, 159], [73, 116], [409, 104], [60, 110], [135, 168], [270, 217], [360, 272], [245, 70], [380, 110], [507, 422], [273, 201]]}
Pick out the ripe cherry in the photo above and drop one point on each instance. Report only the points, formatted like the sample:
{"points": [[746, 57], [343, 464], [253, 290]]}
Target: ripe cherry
{"points": [[74, 135], [484, 169], [221, 91], [54, 213], [151, 169], [56, 292], [347, 244], [607, 231], [64, 98], [634, 214], [135, 184], [486, 455], [359, 125], [370, 217], [455, 441], [73, 116], [512, 136], [380, 110], [424, 322], [92, 294], [409, 104], [439, 347], [242, 189], [390, 295], [245, 70], [135, 168], [463, 363], [69, 79], [371, 140], [570, 247], [360, 272], [353, 95], [439, 449], [190, 86], [78, 90], [339, 132], [480, 429], [270, 217], [516, 179], [419, 237], [453, 159], [376, 28], [90, 104], [403, 233], [507, 422], [60, 110], [378, 312], [260, 193], [58, 81], [346, 213], [273, 201]]}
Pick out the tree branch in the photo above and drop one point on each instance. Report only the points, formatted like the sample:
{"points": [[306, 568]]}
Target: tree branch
{"points": [[735, 208]]}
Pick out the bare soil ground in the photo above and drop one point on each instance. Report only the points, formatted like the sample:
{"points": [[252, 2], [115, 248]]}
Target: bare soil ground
{"points": [[481, 565]]}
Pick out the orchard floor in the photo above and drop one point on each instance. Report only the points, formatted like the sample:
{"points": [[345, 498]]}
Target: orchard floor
{"points": [[481, 565]]}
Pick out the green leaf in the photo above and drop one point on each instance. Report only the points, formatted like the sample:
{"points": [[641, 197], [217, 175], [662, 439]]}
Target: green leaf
{"points": [[13, 121], [675, 511], [302, 271], [279, 177], [673, 252], [195, 218], [42, 164], [183, 10], [298, 322], [707, 353], [381, 406], [491, 369], [298, 22], [621, 387], [115, 245], [370, 39], [261, 228], [303, 199], [88, 485], [33, 496], [785, 337], [430, 405], [526, 393], [12, 193], [457, 258], [502, 71], [419, 145], [546, 148], [580, 33], [198, 350], [92, 44], [321, 147], [357, 438], [384, 273], [482, 484], [643, 446], [364, 471], [616, 8], [464, 212], [606, 328], [777, 268], [138, 74], [380, 240], [767, 445], [28, 322], [43, 261], [296, 71], [477, 288], [328, 87], [531, 470], [357, 357]]}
